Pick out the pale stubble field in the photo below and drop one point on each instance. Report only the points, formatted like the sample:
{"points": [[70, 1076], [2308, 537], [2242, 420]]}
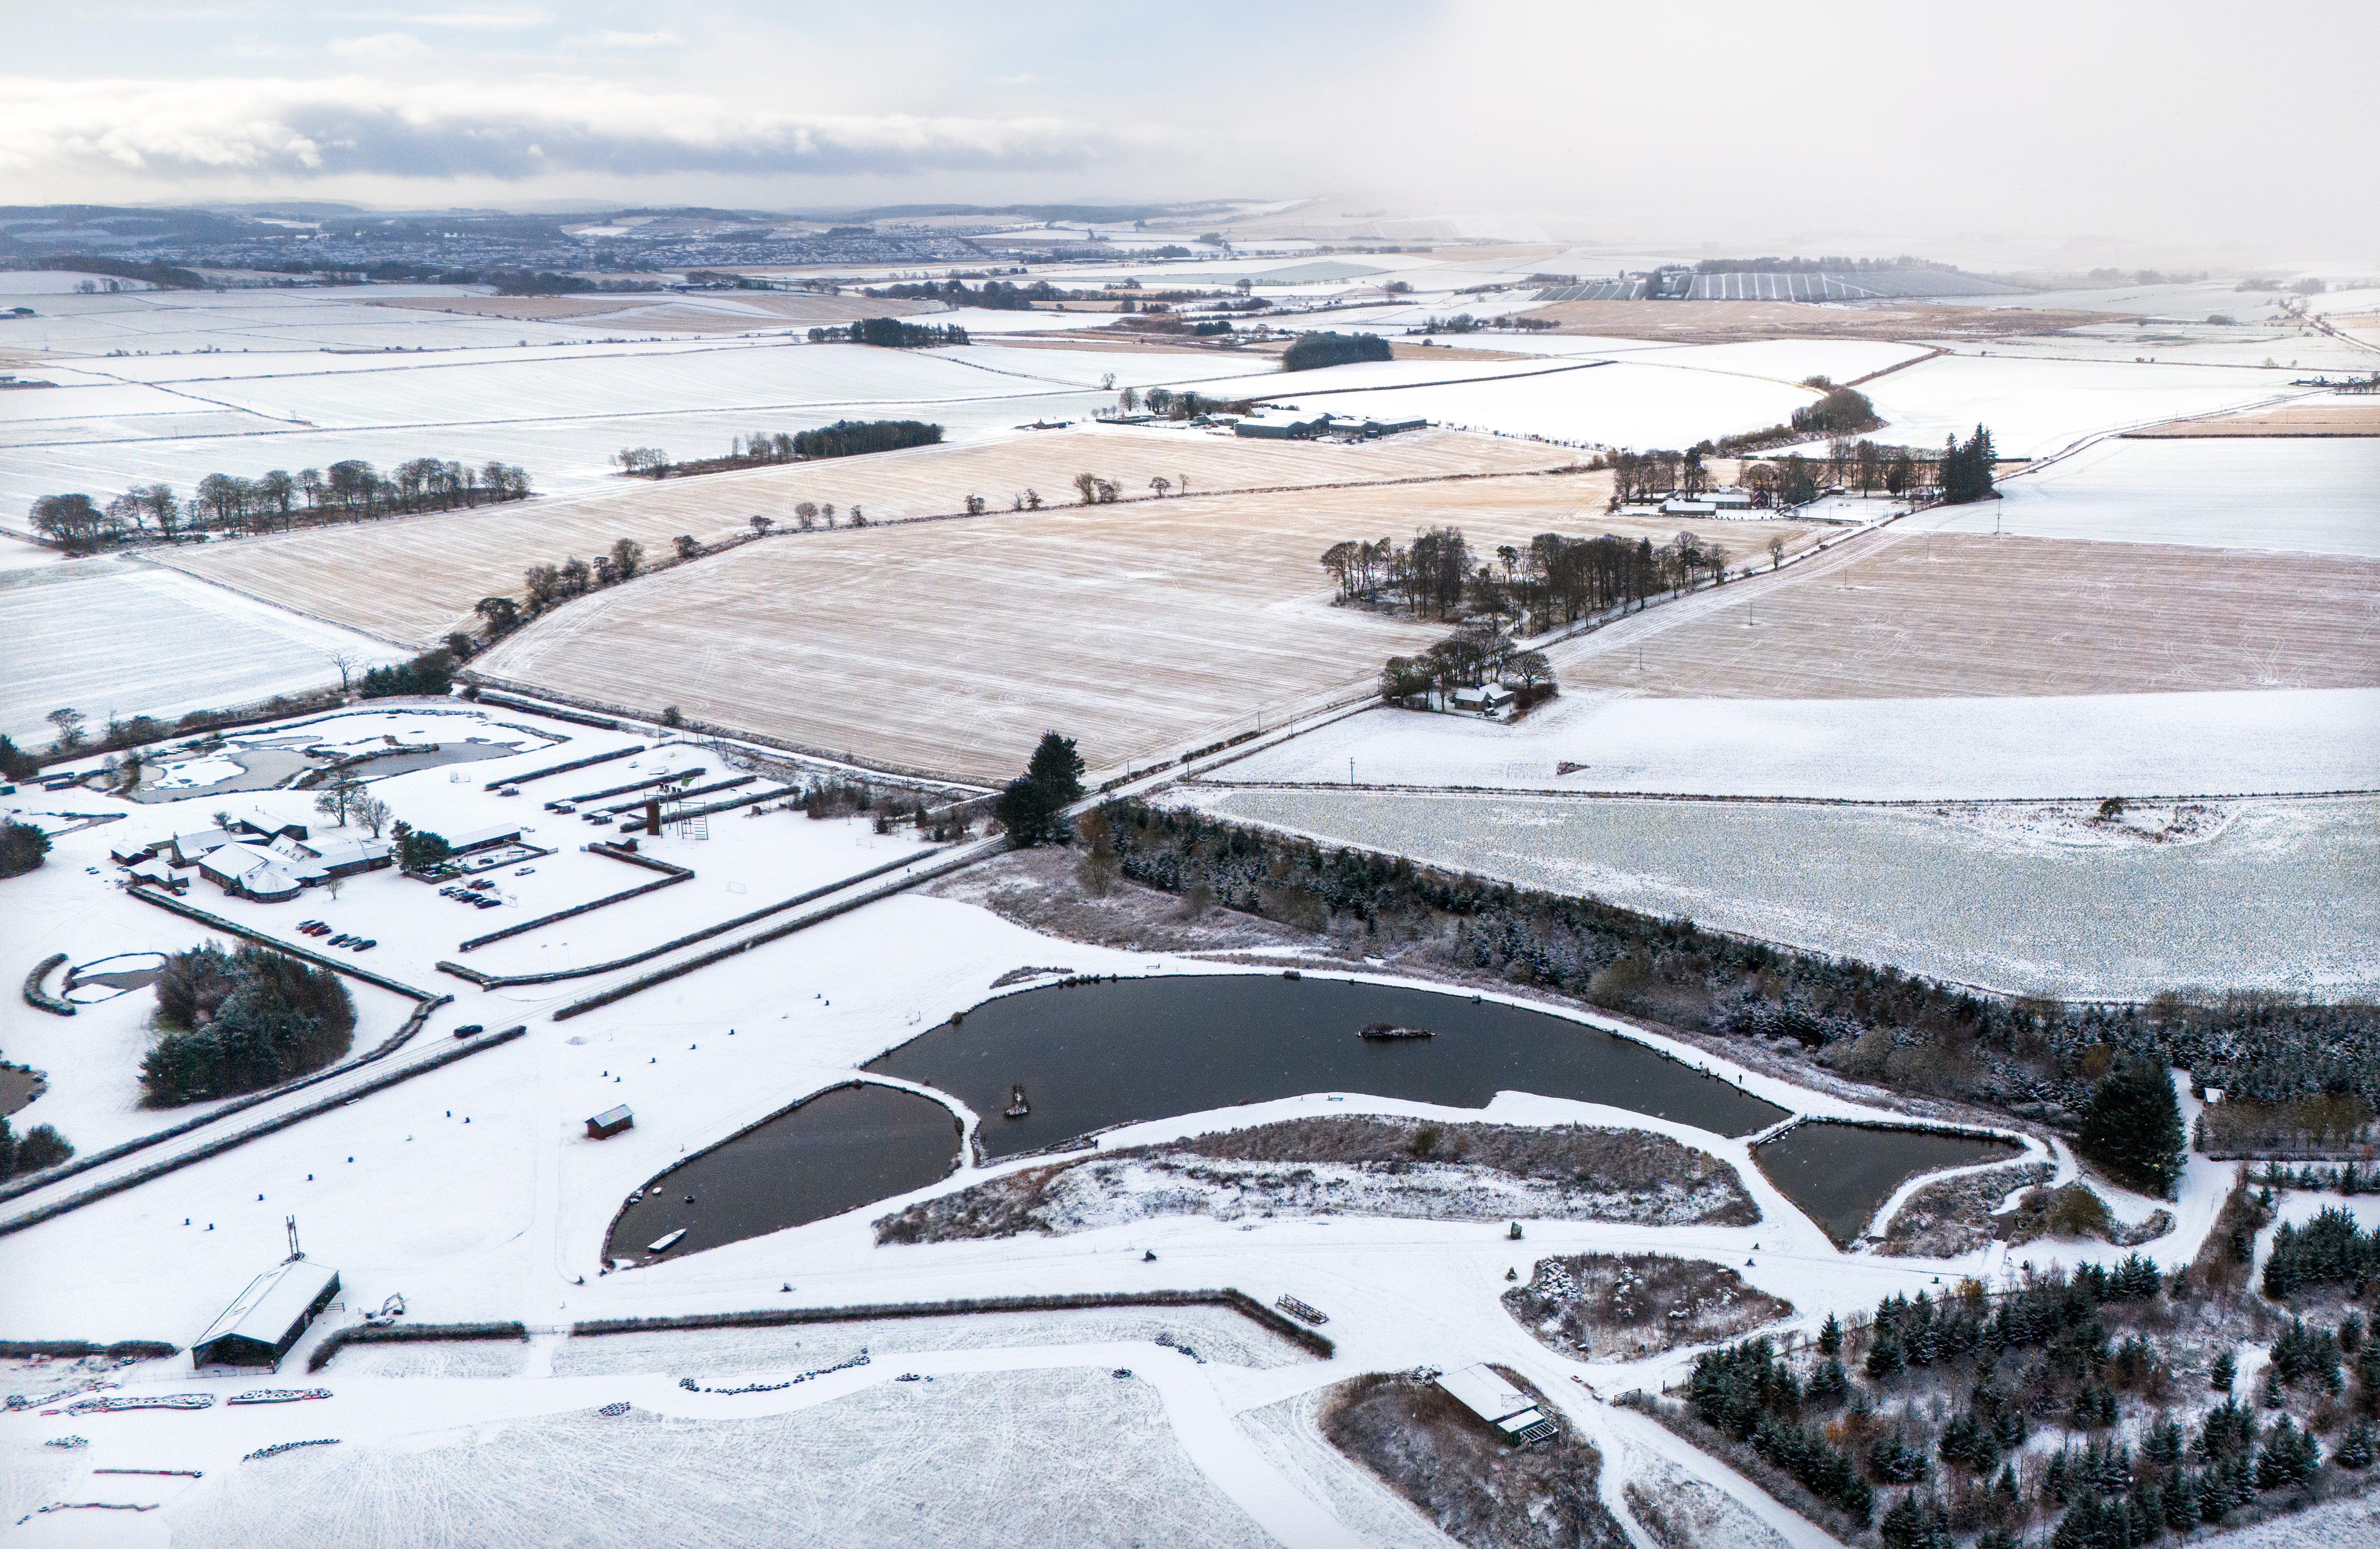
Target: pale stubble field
{"points": [[950, 647]]}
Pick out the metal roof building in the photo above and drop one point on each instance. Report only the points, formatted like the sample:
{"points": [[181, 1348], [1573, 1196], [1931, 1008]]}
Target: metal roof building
{"points": [[1479, 1389], [265, 1320]]}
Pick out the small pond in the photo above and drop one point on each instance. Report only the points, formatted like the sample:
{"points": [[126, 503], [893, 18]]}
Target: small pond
{"points": [[1841, 1173], [1093, 1055], [17, 1088], [846, 1147]]}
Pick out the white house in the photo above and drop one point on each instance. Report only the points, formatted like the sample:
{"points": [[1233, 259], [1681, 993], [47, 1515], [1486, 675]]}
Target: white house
{"points": [[1488, 699]]}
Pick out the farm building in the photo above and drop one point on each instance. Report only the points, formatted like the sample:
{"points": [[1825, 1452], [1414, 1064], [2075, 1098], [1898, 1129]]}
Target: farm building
{"points": [[189, 849], [1678, 505], [252, 871], [1288, 428], [481, 838], [610, 1122], [319, 861], [1488, 699], [1479, 1389], [265, 1320]]}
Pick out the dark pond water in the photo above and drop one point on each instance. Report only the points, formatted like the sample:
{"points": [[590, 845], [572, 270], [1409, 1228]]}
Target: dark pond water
{"points": [[1093, 1055], [17, 1089], [1841, 1173], [846, 1147]]}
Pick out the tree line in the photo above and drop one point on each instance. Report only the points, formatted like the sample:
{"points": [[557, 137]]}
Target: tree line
{"points": [[1477, 653], [1555, 578], [844, 439], [275, 502], [1313, 351], [890, 333]]}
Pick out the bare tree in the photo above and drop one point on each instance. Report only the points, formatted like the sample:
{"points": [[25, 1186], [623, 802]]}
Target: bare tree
{"points": [[68, 721], [338, 799], [369, 810], [1776, 553], [759, 524], [346, 661], [1088, 484], [806, 514], [628, 555], [1161, 485]]}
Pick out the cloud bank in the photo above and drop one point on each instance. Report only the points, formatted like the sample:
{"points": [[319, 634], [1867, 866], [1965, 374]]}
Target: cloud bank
{"points": [[308, 130]]}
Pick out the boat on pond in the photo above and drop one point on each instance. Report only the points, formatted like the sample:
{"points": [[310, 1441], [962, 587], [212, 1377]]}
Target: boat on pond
{"points": [[666, 1241], [1389, 1033], [1017, 1107]]}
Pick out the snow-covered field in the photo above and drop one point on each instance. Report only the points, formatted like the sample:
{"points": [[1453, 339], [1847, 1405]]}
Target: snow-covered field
{"points": [[2272, 900], [1628, 403], [2308, 494], [2035, 407], [116, 637], [2283, 740]]}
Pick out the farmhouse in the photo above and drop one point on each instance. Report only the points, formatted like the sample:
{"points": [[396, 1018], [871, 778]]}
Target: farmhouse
{"points": [[1488, 699], [265, 1320], [250, 871], [1267, 427], [1488, 1396]]}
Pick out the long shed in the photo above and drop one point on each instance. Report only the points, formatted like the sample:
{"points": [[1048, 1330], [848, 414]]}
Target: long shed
{"points": [[265, 1320], [1485, 1393]]}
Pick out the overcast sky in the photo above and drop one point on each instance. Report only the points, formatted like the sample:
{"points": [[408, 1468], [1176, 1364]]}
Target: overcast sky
{"points": [[2168, 127]]}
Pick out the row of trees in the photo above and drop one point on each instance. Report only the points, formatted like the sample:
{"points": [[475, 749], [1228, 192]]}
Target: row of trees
{"points": [[546, 586], [1555, 578], [1167, 403], [1312, 351], [277, 501], [890, 333]]}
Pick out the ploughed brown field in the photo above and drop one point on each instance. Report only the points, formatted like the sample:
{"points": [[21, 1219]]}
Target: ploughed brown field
{"points": [[411, 579], [1726, 322], [2310, 419], [1900, 614], [951, 647]]}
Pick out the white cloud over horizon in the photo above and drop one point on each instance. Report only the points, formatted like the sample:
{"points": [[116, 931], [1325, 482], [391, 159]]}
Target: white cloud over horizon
{"points": [[2190, 129], [281, 131]]}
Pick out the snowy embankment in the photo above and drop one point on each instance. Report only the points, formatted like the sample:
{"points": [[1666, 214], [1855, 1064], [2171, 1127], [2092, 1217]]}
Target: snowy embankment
{"points": [[2274, 741]]}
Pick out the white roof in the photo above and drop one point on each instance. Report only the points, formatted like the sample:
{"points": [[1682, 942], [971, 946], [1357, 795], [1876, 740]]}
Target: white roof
{"points": [[480, 838], [272, 1303], [1485, 1394]]}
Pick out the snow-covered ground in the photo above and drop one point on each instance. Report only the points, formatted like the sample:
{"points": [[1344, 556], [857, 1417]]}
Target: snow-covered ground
{"points": [[2275, 899], [2303, 493], [112, 637], [2270, 741], [93, 1058], [474, 1191], [2035, 407]]}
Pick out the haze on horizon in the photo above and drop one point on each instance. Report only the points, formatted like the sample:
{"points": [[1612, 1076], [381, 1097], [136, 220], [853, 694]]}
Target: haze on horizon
{"points": [[2026, 135]]}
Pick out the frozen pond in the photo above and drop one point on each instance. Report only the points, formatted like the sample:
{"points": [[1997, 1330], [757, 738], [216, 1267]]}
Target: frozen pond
{"points": [[1092, 1056], [844, 1147], [1841, 1173], [2281, 898]]}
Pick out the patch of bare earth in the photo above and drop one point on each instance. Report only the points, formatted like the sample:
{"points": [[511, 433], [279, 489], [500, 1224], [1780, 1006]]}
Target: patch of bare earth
{"points": [[2311, 418], [1355, 1166], [1479, 1489], [1628, 1305], [1944, 1220], [1904, 613], [1727, 321]]}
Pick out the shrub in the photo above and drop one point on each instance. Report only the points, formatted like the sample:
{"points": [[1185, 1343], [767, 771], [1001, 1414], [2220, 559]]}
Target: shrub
{"points": [[241, 1021], [21, 848], [38, 1148]]}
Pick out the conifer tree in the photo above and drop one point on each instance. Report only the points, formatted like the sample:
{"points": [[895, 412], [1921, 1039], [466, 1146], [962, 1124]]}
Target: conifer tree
{"points": [[2132, 1128]]}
